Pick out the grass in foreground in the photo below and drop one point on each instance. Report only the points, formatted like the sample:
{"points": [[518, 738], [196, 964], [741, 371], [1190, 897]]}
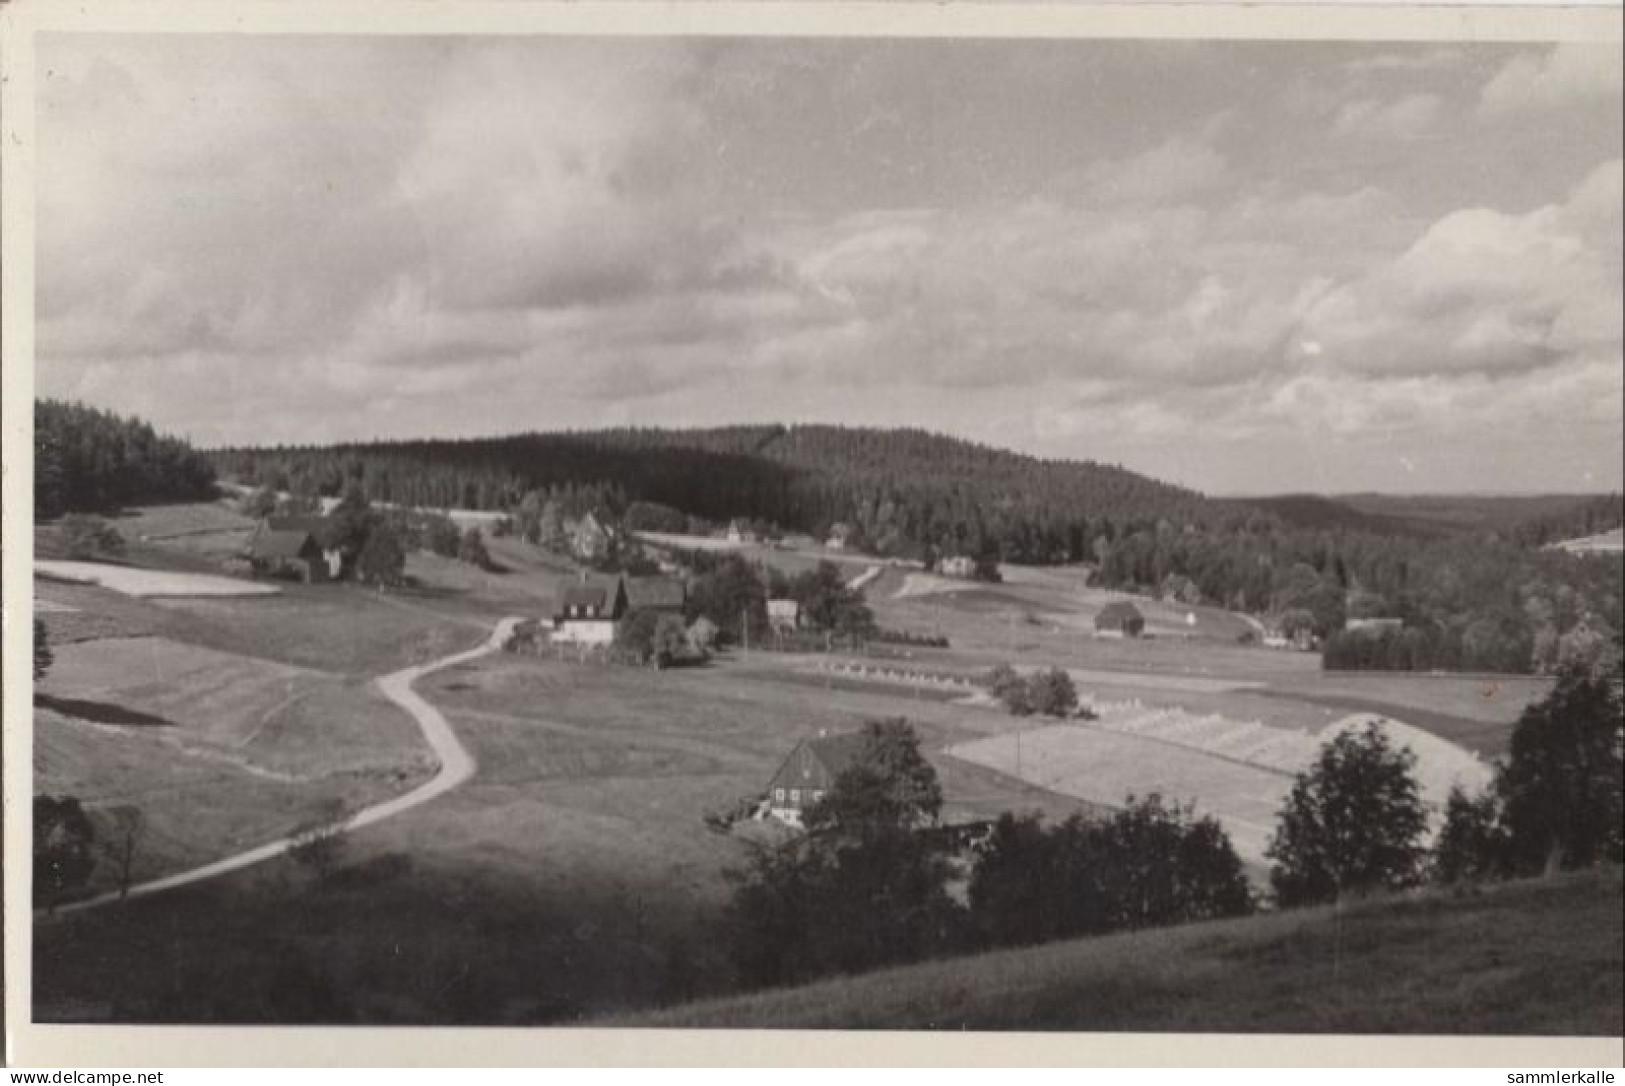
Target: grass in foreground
{"points": [[1539, 957]]}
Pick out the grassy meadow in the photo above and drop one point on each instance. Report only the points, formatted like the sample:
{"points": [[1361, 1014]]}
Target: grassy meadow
{"points": [[574, 876], [1539, 957]]}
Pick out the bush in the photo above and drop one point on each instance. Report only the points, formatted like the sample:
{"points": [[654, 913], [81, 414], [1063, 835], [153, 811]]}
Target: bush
{"points": [[1471, 843], [42, 651], [63, 840], [440, 536], [1148, 865], [1009, 687], [1560, 789], [1051, 692], [471, 549], [85, 536], [904, 637]]}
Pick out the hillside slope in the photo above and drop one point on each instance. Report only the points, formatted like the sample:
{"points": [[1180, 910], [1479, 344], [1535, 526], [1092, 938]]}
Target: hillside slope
{"points": [[1540, 957], [902, 486]]}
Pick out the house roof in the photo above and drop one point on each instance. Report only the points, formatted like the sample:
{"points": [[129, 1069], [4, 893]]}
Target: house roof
{"points": [[655, 592], [838, 753], [1118, 613], [584, 595], [273, 543], [315, 525], [832, 753]]}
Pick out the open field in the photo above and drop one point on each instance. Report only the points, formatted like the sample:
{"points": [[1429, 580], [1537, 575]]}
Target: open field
{"points": [[573, 874], [148, 583], [215, 529], [1540, 957], [345, 629], [1103, 767], [217, 752], [788, 558]]}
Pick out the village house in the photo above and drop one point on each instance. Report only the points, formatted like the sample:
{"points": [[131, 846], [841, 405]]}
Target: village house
{"points": [[809, 772], [740, 531], [1374, 626], [1301, 638], [589, 538], [294, 547], [840, 536], [957, 565], [1119, 619], [586, 614]]}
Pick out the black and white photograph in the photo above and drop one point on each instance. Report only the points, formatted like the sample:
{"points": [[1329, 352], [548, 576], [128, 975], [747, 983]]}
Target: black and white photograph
{"points": [[901, 532]]}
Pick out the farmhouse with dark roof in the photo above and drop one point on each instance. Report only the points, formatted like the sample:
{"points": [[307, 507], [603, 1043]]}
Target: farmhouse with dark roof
{"points": [[809, 772], [294, 547]]}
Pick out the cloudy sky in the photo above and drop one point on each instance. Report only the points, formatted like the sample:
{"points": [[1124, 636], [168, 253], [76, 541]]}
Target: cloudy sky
{"points": [[1245, 267]]}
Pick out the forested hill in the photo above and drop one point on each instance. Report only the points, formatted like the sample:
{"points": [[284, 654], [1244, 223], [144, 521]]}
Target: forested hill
{"points": [[899, 488], [1526, 520]]}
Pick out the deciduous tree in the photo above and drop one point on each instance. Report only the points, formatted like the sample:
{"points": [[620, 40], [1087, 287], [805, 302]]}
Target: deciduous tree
{"points": [[63, 841], [1353, 822]]}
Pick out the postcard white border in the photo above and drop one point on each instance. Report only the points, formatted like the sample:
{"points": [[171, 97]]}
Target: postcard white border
{"points": [[148, 1046]]}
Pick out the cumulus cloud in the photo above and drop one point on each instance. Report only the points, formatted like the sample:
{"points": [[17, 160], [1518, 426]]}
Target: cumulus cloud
{"points": [[1177, 169], [1564, 75], [1406, 118], [1488, 292], [319, 239]]}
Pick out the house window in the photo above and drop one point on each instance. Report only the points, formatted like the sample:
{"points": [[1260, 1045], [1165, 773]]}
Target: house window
{"points": [[795, 795], [818, 796], [778, 795]]}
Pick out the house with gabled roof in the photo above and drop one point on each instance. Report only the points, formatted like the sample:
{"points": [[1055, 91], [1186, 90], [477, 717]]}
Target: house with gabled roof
{"points": [[296, 547], [810, 771], [587, 613], [589, 537]]}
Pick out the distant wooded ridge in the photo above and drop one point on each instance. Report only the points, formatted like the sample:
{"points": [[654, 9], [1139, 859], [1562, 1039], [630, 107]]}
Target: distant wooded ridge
{"points": [[1468, 577], [909, 484]]}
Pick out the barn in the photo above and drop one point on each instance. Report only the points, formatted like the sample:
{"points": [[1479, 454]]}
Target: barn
{"points": [[294, 547], [1119, 619], [809, 772]]}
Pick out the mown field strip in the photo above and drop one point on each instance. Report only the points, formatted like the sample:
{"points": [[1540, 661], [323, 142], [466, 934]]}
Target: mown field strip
{"points": [[456, 766]]}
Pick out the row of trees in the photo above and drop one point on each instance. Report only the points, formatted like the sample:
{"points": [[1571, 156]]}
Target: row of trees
{"points": [[732, 592], [1471, 602], [87, 460], [1356, 822]]}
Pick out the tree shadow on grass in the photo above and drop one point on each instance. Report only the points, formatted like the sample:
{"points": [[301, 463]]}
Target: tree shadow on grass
{"points": [[100, 712]]}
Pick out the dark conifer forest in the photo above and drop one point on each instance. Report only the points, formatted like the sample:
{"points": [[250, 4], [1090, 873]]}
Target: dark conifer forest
{"points": [[1471, 579], [86, 460], [1468, 576]]}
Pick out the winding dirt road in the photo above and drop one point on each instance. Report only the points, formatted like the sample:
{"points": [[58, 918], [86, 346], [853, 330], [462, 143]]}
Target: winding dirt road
{"points": [[456, 766]]}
